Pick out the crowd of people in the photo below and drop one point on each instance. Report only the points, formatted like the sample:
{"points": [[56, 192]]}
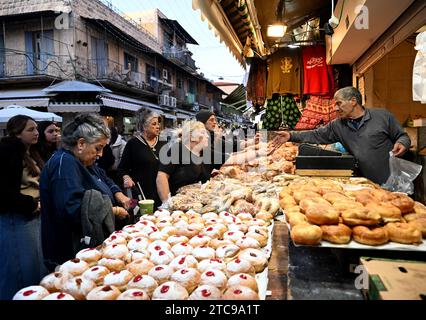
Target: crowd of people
{"points": [[64, 190]]}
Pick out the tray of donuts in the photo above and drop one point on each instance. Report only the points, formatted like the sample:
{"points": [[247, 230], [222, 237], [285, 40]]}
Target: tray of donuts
{"points": [[360, 219], [168, 255]]}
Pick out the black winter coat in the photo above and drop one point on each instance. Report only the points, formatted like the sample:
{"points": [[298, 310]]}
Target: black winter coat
{"points": [[12, 152]]}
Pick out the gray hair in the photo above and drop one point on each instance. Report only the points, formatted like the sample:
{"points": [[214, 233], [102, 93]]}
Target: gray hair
{"points": [[348, 93], [90, 127], [143, 116], [190, 130]]}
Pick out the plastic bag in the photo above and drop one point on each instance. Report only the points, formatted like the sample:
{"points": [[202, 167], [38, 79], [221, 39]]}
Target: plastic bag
{"points": [[402, 175]]}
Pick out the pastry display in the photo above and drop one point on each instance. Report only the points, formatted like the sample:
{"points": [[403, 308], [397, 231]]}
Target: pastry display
{"points": [[106, 292], [31, 293]]}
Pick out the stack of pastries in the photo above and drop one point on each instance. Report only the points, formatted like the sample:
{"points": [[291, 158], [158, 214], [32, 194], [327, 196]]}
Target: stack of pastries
{"points": [[319, 209], [167, 255]]}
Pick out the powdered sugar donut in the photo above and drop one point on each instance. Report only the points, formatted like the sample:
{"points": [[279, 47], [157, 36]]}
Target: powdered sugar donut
{"points": [[158, 245], [104, 293], [215, 264], [216, 243], [91, 256], [199, 240], [96, 274], [243, 279], [239, 266], [74, 267], [182, 248], [162, 257], [233, 235], [240, 293], [161, 212], [204, 252], [143, 282], [118, 279], [138, 244], [139, 267], [227, 252], [259, 236], [161, 273], [180, 224], [158, 236], [53, 282], [179, 215], [59, 296], [196, 225], [170, 290], [211, 222], [115, 251], [78, 287], [173, 240], [189, 278], [256, 222], [170, 230], [142, 224], [214, 278], [121, 233], [206, 292], [247, 242], [259, 229], [130, 229], [115, 239], [211, 232], [133, 294], [31, 293], [149, 229], [137, 255], [210, 215], [256, 257], [238, 227], [163, 219], [112, 264], [163, 223], [181, 262]]}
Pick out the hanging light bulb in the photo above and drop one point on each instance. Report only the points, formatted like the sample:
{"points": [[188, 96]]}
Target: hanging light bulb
{"points": [[276, 30]]}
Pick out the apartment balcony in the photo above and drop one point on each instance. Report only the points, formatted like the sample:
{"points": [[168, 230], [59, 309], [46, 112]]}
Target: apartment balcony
{"points": [[111, 71], [16, 65], [181, 58]]}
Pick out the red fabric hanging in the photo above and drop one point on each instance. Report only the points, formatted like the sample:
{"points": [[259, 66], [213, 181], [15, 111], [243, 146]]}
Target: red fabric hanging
{"points": [[318, 76], [318, 110]]}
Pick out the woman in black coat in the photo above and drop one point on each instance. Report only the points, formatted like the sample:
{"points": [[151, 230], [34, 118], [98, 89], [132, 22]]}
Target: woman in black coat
{"points": [[20, 243], [140, 159]]}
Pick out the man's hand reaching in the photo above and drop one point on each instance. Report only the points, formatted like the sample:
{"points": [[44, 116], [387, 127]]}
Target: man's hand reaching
{"points": [[398, 149]]}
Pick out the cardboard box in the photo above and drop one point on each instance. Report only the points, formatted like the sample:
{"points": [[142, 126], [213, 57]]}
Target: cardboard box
{"points": [[395, 279]]}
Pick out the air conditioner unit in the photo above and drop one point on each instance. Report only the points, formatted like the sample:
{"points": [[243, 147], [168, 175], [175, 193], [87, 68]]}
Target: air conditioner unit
{"points": [[165, 74], [173, 102], [164, 100]]}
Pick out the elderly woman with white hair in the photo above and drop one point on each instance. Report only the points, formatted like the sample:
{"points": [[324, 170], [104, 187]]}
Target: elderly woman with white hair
{"points": [[66, 179], [184, 163], [140, 159]]}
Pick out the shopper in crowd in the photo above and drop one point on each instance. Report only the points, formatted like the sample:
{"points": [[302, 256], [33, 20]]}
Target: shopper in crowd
{"points": [[368, 134], [218, 148], [140, 159], [20, 244], [48, 140], [65, 180], [184, 162]]}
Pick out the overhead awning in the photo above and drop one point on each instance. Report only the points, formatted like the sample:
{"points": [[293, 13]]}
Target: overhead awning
{"points": [[75, 107], [75, 86], [24, 98], [217, 20], [182, 116], [169, 116], [25, 102], [126, 103]]}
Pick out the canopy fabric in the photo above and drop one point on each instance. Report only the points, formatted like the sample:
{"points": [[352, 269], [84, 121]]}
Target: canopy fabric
{"points": [[75, 86], [11, 111]]}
